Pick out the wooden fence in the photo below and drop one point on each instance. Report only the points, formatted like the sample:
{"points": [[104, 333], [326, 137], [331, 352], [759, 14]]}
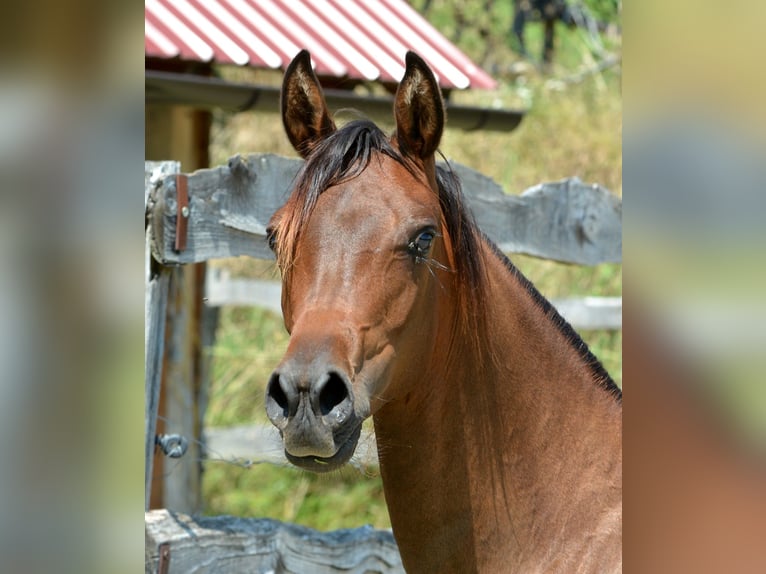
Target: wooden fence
{"points": [[213, 544], [223, 212], [583, 313], [228, 207]]}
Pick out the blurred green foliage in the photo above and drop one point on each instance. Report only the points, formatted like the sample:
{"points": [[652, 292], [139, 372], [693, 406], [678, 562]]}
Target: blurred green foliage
{"points": [[482, 28]]}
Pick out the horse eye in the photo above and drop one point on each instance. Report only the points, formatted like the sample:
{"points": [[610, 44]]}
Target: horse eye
{"points": [[421, 244], [271, 238]]}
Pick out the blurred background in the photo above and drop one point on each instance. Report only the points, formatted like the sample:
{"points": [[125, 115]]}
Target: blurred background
{"points": [[690, 82]]}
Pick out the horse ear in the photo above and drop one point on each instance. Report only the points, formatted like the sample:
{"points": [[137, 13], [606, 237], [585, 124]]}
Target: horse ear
{"points": [[418, 109], [304, 110]]}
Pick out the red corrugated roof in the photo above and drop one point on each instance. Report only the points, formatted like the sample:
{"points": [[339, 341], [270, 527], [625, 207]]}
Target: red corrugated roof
{"points": [[357, 39]]}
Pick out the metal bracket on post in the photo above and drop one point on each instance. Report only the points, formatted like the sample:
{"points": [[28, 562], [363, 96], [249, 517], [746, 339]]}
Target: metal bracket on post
{"points": [[182, 211], [163, 564]]}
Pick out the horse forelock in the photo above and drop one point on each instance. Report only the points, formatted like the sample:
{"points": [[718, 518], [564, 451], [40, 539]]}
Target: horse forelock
{"points": [[340, 157]]}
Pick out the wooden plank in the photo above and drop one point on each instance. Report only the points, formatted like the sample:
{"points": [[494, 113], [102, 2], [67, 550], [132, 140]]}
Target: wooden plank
{"points": [[260, 443], [183, 387], [181, 133], [591, 313], [583, 313], [175, 367], [154, 316], [230, 207], [221, 289], [257, 546], [565, 220]]}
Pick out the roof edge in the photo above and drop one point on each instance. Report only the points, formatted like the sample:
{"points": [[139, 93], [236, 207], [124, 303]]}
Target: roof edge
{"points": [[206, 92]]}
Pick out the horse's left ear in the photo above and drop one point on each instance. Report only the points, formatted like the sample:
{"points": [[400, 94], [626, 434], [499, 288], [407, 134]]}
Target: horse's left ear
{"points": [[305, 115], [418, 109]]}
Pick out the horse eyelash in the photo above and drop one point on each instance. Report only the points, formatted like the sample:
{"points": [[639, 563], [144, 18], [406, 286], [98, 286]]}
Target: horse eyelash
{"points": [[430, 264], [430, 261]]}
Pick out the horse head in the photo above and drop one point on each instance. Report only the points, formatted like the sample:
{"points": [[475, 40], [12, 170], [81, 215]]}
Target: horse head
{"points": [[364, 249]]}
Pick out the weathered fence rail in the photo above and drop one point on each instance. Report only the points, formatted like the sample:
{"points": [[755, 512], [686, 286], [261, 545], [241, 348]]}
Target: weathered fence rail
{"points": [[228, 209], [260, 443], [223, 212], [179, 544], [583, 313]]}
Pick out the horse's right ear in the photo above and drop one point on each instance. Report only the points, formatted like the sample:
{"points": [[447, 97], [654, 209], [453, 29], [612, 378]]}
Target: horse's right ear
{"points": [[418, 109], [304, 110]]}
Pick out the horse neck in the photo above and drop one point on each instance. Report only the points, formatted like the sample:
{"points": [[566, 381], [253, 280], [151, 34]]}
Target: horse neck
{"points": [[495, 456]]}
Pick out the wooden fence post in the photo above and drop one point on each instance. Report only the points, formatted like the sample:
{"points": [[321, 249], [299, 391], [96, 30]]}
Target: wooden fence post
{"points": [[157, 281], [176, 365], [181, 389]]}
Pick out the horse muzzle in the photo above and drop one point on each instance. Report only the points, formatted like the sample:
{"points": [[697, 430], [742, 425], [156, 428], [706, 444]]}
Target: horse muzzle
{"points": [[313, 408]]}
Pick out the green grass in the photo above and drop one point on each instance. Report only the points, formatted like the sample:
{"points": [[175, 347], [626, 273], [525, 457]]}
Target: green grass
{"points": [[249, 344], [575, 131], [344, 499]]}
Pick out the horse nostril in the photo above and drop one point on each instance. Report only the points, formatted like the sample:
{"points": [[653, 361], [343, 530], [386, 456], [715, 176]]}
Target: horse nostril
{"points": [[333, 393], [276, 394]]}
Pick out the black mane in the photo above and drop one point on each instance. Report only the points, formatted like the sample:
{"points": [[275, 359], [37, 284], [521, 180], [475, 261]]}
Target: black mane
{"points": [[597, 369]]}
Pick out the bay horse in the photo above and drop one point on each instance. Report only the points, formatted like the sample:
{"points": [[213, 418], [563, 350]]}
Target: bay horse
{"points": [[498, 432]]}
